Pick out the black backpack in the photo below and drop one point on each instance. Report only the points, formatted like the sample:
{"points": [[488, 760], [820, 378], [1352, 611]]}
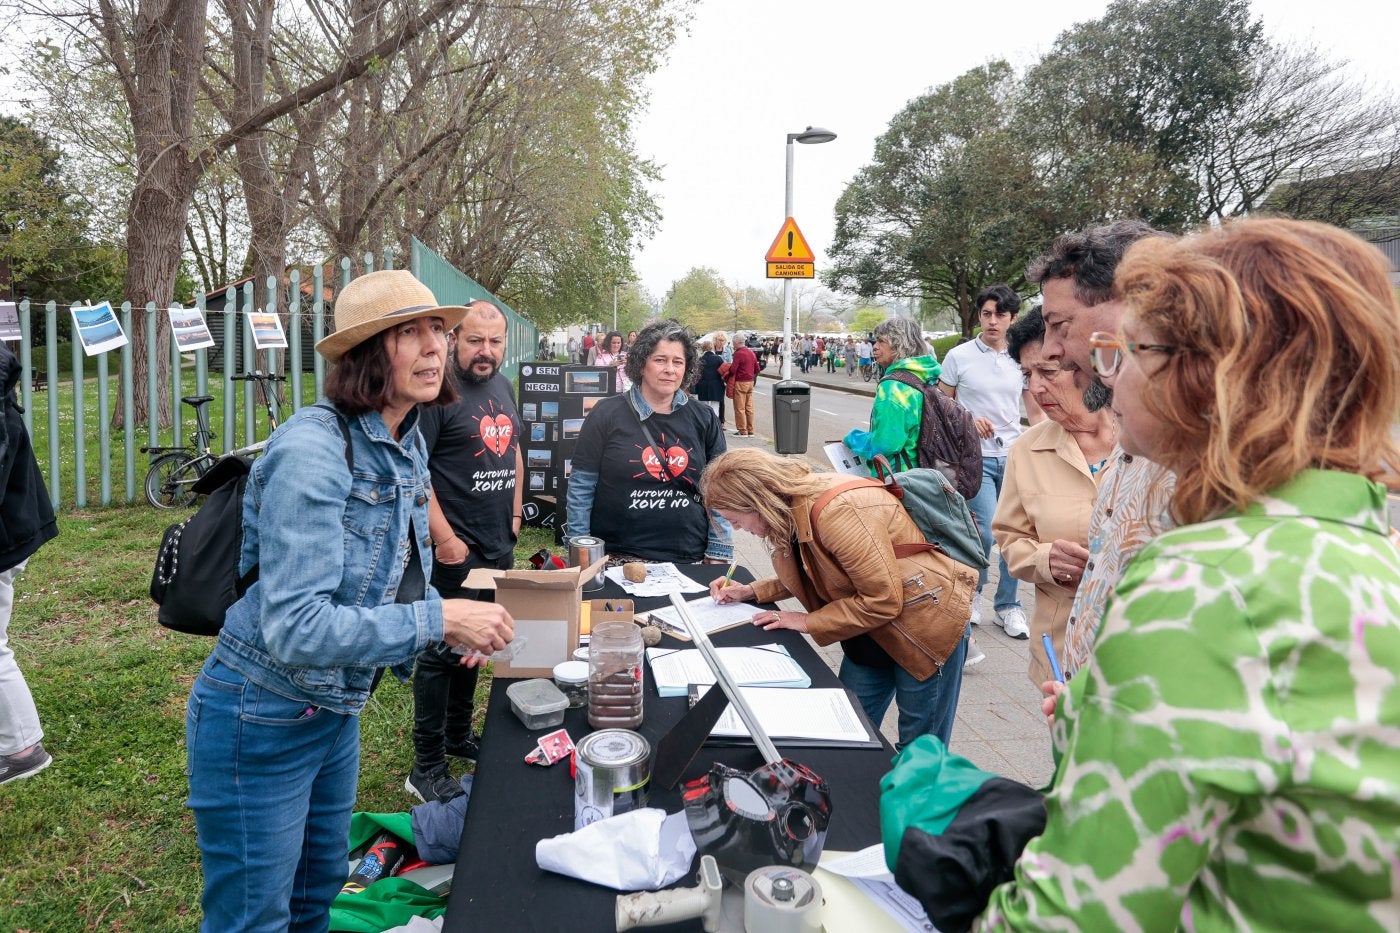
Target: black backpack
{"points": [[196, 576], [948, 440]]}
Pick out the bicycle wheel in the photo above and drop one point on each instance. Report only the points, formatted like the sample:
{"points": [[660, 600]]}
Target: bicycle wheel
{"points": [[867, 372], [169, 479]]}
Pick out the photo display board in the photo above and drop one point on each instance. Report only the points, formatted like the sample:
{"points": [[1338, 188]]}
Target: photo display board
{"points": [[553, 399]]}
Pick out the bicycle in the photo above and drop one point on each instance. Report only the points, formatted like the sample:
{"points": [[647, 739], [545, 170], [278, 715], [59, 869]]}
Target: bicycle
{"points": [[867, 371], [174, 470]]}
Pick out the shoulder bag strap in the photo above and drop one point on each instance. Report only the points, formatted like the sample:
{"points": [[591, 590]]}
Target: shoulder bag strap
{"points": [[900, 550]]}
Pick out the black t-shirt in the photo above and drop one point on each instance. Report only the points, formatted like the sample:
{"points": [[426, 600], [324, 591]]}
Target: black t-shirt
{"points": [[635, 511], [472, 446]]}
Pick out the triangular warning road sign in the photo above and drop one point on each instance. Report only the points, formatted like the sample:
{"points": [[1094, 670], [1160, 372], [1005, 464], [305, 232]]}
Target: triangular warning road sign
{"points": [[790, 245]]}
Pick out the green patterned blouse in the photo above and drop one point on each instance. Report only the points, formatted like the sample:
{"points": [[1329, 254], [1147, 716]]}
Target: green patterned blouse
{"points": [[1230, 757]]}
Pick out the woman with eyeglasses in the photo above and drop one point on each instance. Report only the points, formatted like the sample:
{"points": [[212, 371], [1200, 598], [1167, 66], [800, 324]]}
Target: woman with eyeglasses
{"points": [[1230, 756], [1052, 476]]}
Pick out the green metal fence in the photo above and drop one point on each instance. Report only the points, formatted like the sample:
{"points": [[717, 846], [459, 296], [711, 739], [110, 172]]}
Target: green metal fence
{"points": [[50, 395], [449, 285]]}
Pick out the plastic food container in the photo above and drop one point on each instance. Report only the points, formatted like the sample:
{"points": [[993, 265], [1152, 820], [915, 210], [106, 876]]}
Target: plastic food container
{"points": [[538, 703], [571, 677]]}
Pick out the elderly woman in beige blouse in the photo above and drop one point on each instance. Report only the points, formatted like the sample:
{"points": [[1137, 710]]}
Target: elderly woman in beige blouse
{"points": [[1052, 473]]}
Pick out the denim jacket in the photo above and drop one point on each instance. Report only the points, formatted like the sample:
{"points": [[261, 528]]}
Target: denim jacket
{"points": [[331, 550]]}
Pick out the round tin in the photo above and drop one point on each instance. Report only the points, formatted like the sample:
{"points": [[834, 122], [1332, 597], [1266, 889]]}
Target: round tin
{"points": [[584, 550], [612, 774]]}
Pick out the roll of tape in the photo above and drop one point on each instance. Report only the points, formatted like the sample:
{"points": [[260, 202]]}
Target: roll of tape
{"points": [[782, 900]]}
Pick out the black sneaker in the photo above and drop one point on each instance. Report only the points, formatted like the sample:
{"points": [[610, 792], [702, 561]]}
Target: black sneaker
{"points": [[467, 748], [433, 784], [24, 764]]}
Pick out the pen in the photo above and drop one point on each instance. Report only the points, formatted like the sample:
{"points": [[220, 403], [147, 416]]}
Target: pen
{"points": [[1054, 661], [729, 576]]}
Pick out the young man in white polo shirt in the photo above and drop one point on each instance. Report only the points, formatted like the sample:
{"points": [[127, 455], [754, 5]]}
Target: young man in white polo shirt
{"points": [[983, 377]]}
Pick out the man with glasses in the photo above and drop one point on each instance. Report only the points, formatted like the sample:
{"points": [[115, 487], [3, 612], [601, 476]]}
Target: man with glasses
{"points": [[983, 377], [1082, 320]]}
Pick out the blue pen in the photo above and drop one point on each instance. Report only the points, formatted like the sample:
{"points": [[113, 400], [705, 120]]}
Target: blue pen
{"points": [[1054, 661]]}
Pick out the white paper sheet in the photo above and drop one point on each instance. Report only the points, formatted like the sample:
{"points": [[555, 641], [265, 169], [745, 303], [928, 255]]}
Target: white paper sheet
{"points": [[815, 713], [706, 613], [662, 580], [866, 870], [673, 670], [844, 460]]}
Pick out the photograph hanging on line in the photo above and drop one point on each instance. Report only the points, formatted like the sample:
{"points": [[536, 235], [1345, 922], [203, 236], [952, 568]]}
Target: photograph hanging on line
{"points": [[9, 321], [267, 331], [98, 329], [190, 331]]}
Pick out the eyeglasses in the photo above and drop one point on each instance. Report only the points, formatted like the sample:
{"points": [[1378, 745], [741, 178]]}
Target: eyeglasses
{"points": [[1046, 374], [1106, 351]]}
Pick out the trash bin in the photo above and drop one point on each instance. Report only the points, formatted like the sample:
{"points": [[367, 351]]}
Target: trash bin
{"points": [[791, 414]]}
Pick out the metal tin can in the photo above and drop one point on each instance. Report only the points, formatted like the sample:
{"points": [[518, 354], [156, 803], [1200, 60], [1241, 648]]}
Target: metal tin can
{"points": [[583, 551], [612, 775]]}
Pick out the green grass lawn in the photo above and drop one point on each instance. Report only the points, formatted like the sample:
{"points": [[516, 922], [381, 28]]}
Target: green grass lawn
{"points": [[102, 840]]}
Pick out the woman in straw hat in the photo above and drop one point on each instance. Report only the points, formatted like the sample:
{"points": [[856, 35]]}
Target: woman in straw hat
{"points": [[272, 726]]}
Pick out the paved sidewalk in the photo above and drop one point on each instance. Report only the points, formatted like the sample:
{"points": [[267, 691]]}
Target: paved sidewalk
{"points": [[999, 725]]}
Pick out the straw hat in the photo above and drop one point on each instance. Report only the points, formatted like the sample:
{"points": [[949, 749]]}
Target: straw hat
{"points": [[378, 301]]}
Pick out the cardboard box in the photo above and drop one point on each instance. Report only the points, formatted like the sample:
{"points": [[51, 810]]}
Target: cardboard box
{"points": [[598, 611], [545, 607]]}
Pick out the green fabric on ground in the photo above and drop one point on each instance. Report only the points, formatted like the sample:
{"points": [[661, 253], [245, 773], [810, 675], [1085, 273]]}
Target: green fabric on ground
{"points": [[388, 903], [363, 826]]}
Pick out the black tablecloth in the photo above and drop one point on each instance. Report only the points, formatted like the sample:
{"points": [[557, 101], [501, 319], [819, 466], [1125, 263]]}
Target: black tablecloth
{"points": [[497, 885]]}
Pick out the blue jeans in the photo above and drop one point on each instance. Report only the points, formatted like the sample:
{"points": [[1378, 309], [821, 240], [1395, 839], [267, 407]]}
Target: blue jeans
{"points": [[272, 784], [983, 505], [926, 708]]}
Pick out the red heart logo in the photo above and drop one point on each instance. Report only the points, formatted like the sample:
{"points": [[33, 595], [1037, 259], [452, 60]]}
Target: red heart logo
{"points": [[676, 462], [496, 433]]}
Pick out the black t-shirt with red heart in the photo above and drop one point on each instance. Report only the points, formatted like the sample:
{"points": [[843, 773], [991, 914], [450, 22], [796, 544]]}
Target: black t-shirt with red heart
{"points": [[637, 510], [471, 453]]}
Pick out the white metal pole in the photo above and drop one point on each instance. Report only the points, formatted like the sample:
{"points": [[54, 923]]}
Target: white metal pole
{"points": [[787, 283], [614, 306]]}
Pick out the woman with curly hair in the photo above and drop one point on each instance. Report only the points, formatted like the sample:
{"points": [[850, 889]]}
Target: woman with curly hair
{"points": [[637, 465]]}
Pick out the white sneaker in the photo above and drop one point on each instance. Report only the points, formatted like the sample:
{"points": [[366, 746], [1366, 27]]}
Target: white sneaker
{"points": [[975, 655], [1013, 620], [976, 609]]}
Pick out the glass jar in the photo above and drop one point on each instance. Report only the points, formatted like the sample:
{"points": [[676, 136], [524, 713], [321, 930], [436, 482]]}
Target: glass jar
{"points": [[571, 677], [615, 655]]}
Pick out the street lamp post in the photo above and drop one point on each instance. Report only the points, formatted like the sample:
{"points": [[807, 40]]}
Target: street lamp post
{"points": [[810, 136], [615, 288]]}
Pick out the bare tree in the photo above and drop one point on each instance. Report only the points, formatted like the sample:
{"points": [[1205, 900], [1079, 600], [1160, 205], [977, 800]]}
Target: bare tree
{"points": [[1302, 118], [156, 50]]}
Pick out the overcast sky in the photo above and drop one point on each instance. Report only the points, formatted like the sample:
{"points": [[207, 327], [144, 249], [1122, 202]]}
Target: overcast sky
{"points": [[751, 71]]}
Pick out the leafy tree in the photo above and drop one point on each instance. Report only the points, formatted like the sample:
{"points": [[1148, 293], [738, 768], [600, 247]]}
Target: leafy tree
{"points": [[46, 252], [698, 301], [867, 319], [1182, 111], [951, 202]]}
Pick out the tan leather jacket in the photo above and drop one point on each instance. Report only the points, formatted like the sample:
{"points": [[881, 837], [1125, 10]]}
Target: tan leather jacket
{"points": [[850, 582]]}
